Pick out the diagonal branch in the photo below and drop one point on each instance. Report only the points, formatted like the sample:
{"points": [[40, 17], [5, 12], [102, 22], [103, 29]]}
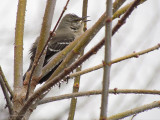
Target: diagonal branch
{"points": [[64, 9], [126, 15], [117, 4], [5, 92], [135, 111], [132, 55], [121, 11], [6, 83]]}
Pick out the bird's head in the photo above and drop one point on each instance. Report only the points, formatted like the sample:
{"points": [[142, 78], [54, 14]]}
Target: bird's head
{"points": [[72, 22]]}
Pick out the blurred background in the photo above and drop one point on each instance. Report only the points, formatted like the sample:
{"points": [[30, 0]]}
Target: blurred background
{"points": [[141, 31]]}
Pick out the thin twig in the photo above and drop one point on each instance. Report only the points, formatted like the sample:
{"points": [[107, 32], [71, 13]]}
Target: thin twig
{"points": [[135, 55], [135, 111], [64, 9], [126, 15], [133, 116], [6, 83], [98, 92], [5, 92], [132, 55]]}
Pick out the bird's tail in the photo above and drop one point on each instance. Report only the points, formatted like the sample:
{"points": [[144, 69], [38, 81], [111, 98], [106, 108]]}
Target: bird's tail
{"points": [[46, 77]]}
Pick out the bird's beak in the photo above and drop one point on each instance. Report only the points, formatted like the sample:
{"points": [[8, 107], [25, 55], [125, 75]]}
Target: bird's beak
{"points": [[84, 19]]}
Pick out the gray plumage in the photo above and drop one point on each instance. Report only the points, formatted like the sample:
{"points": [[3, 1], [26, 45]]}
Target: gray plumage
{"points": [[70, 27]]}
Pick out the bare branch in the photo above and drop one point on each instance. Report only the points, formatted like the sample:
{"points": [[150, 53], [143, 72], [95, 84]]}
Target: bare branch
{"points": [[64, 9], [121, 11], [125, 16], [107, 59], [132, 55], [6, 83], [97, 92], [136, 55], [5, 92], [18, 46], [117, 4], [135, 111]]}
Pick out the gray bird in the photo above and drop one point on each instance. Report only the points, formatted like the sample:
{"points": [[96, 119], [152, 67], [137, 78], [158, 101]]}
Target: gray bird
{"points": [[70, 27]]}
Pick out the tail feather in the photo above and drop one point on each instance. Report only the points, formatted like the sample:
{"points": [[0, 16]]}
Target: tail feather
{"points": [[46, 77]]}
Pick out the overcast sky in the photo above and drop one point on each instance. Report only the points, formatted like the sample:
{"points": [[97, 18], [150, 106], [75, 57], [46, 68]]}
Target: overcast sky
{"points": [[141, 31]]}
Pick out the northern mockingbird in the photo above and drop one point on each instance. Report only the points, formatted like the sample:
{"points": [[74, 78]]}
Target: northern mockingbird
{"points": [[70, 27]]}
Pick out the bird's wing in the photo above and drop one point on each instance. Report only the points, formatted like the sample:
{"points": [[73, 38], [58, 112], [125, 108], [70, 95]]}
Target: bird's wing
{"points": [[56, 45]]}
